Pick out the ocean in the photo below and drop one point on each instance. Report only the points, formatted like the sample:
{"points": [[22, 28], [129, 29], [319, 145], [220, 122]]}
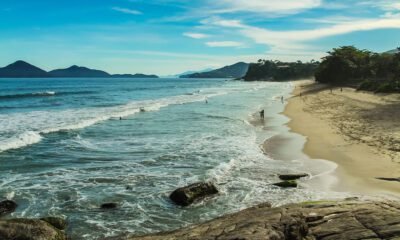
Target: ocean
{"points": [[69, 145]]}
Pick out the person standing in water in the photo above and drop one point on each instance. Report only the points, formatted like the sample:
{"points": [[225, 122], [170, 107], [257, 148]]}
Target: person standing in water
{"points": [[282, 99], [262, 114]]}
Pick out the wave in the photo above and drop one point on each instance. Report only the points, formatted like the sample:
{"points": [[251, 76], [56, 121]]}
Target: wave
{"points": [[23, 140], [46, 122], [41, 94]]}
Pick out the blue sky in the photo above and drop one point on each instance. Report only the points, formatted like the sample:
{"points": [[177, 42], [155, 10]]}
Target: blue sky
{"points": [[172, 36]]}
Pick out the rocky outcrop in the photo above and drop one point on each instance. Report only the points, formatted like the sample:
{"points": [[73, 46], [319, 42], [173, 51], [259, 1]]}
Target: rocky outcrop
{"points": [[29, 229], [288, 177], [7, 207], [313, 220], [108, 206], [187, 195], [286, 184], [389, 179], [56, 222]]}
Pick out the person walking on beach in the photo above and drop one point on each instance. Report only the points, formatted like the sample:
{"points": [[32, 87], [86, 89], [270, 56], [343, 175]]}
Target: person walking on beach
{"points": [[262, 114]]}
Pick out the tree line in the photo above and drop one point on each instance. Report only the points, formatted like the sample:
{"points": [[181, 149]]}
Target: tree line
{"points": [[378, 72], [269, 70], [343, 66]]}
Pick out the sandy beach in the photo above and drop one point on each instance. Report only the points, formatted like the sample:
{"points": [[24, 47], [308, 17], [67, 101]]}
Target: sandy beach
{"points": [[359, 131]]}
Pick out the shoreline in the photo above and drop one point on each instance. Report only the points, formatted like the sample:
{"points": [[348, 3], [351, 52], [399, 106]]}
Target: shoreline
{"points": [[315, 115]]}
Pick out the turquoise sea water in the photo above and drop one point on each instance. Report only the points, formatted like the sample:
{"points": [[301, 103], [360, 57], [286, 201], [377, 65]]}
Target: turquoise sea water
{"points": [[64, 150]]}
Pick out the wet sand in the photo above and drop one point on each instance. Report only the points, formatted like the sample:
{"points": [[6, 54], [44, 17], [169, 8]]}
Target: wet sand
{"points": [[359, 131]]}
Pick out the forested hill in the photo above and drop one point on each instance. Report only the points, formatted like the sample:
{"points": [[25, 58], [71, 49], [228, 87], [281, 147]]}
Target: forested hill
{"points": [[267, 70], [22, 69], [237, 70]]}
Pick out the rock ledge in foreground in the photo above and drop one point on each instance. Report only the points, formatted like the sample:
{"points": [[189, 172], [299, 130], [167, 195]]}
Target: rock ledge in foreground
{"points": [[29, 229], [314, 220]]}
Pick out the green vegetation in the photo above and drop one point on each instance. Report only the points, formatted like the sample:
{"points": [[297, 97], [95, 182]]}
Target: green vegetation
{"points": [[367, 70], [268, 70]]}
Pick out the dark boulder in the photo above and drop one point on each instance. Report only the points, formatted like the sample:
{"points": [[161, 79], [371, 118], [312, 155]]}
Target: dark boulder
{"points": [[108, 206], [389, 179], [56, 222], [288, 177], [7, 207], [187, 195], [286, 184], [29, 229]]}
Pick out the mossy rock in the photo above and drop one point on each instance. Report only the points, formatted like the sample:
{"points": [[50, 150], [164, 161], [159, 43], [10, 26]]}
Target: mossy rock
{"points": [[287, 177], [286, 184], [187, 195]]}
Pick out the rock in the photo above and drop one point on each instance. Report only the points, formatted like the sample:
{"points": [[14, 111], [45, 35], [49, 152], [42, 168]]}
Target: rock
{"points": [[29, 229], [286, 184], [56, 222], [7, 207], [287, 177], [313, 220], [389, 179], [187, 195], [108, 206]]}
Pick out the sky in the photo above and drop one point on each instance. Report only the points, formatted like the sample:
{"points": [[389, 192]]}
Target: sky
{"points": [[168, 37]]}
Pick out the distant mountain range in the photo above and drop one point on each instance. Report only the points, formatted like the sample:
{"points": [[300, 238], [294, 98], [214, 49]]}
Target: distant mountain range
{"points": [[187, 73], [21, 69], [237, 70], [394, 51]]}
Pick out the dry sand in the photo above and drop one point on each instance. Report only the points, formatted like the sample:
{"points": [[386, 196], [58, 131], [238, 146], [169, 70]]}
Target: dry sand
{"points": [[359, 131]]}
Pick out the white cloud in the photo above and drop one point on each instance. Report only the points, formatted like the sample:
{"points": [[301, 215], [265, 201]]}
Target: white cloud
{"points": [[387, 5], [217, 21], [296, 43], [278, 37], [127, 10], [265, 6], [224, 44], [196, 35]]}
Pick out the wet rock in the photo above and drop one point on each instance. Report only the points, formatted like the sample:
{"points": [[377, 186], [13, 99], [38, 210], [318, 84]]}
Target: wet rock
{"points": [[288, 177], [313, 220], [7, 207], [286, 184], [56, 222], [187, 195], [108, 206], [29, 229], [389, 179]]}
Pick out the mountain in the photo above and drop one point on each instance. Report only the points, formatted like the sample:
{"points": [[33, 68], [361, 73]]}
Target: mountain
{"points": [[394, 51], [21, 69], [187, 73], [137, 75], [75, 71], [237, 70]]}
